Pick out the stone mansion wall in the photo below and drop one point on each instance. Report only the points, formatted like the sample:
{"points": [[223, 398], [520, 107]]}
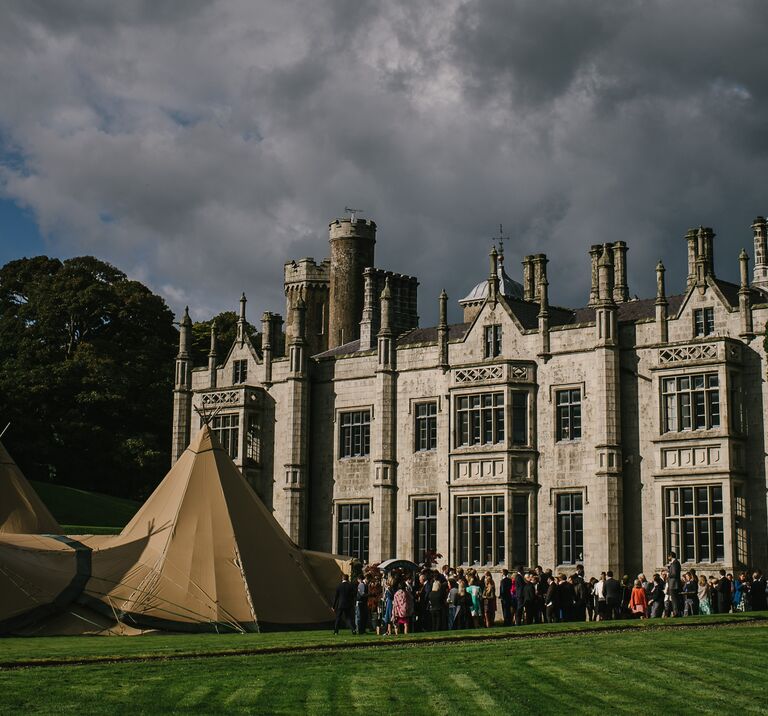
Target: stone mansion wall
{"points": [[531, 434]]}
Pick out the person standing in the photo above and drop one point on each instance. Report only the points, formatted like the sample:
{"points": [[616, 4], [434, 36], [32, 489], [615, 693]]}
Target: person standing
{"points": [[703, 592], [552, 601], [759, 597], [474, 591], [403, 609], [657, 597], [638, 601], [674, 571], [361, 605], [453, 603], [505, 595], [723, 593], [612, 591], [599, 593], [344, 604], [519, 587], [489, 602]]}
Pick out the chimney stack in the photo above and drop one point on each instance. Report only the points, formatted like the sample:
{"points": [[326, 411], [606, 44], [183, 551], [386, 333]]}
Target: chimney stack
{"points": [[620, 287], [528, 282], [594, 256]]}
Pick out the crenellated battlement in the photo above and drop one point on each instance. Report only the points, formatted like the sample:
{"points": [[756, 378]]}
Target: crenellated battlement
{"points": [[306, 270]]}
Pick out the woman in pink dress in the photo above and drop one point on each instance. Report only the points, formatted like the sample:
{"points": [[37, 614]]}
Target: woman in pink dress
{"points": [[402, 608]]}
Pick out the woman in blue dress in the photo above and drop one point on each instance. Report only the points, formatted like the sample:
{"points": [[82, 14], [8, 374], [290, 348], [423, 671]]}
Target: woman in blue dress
{"points": [[387, 599]]}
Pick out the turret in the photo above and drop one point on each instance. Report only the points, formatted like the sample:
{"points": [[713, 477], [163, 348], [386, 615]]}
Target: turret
{"points": [[212, 357], [662, 305], [386, 342], [266, 346], [747, 332], [760, 278], [352, 251], [366, 324], [298, 338], [493, 278], [241, 321], [442, 330], [182, 392], [544, 315], [605, 313]]}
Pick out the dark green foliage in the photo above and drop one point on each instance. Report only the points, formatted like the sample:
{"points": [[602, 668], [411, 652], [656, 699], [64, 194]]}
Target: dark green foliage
{"points": [[226, 332], [86, 370]]}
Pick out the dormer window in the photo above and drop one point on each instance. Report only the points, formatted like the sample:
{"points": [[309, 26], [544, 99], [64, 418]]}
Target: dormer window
{"points": [[239, 371], [704, 321], [492, 341]]}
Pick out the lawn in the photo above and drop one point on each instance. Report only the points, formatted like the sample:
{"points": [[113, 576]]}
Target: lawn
{"points": [[649, 667], [82, 512]]}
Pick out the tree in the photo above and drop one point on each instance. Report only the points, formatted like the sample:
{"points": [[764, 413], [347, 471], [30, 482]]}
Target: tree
{"points": [[86, 374]]}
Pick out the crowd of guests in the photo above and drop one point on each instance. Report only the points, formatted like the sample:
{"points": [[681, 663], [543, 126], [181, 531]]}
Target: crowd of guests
{"points": [[450, 598]]}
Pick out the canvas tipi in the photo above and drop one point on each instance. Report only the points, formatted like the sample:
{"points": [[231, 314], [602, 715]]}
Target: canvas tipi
{"points": [[204, 553], [21, 510]]}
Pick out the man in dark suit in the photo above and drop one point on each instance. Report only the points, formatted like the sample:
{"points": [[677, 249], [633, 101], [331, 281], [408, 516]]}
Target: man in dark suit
{"points": [[612, 593], [505, 594], [344, 604], [674, 573], [723, 593], [759, 597]]}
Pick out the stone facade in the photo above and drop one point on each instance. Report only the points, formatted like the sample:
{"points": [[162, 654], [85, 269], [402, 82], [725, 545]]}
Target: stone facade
{"points": [[530, 433]]}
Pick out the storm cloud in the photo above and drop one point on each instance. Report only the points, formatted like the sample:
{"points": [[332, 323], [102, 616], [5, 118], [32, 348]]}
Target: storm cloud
{"points": [[199, 145]]}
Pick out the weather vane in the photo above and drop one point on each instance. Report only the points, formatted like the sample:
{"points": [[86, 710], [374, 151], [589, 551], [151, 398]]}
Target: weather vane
{"points": [[352, 213], [501, 239]]}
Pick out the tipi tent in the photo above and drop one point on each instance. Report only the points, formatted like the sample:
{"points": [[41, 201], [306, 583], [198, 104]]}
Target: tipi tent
{"points": [[202, 554], [21, 510]]}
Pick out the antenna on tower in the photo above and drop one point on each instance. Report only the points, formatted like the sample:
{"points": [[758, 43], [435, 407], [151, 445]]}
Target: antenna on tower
{"points": [[501, 239], [352, 212]]}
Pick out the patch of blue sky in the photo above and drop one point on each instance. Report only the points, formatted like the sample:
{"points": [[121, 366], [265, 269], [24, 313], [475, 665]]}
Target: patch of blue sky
{"points": [[19, 233]]}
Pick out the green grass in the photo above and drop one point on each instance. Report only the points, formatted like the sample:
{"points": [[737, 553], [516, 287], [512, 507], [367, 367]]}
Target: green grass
{"points": [[645, 668], [583, 673], [92, 649], [74, 507]]}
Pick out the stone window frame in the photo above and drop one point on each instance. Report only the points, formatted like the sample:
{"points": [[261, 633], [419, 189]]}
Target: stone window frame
{"points": [[412, 502], [239, 371], [367, 501], [705, 312], [337, 413], [553, 392], [504, 514], [723, 389], [414, 408], [554, 497], [709, 485], [493, 336]]}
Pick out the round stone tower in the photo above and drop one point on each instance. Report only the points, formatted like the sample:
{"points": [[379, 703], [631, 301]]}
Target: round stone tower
{"points": [[352, 249]]}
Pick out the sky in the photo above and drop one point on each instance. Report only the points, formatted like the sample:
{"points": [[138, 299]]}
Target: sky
{"points": [[199, 145]]}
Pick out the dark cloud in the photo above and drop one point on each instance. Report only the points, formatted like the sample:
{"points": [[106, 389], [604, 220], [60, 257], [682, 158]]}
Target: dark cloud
{"points": [[200, 145]]}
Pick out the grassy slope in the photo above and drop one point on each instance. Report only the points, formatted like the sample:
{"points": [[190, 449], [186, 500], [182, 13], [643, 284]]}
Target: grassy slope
{"points": [[706, 670], [73, 507]]}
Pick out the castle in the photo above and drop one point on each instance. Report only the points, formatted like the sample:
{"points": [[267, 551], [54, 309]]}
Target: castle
{"points": [[528, 434]]}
